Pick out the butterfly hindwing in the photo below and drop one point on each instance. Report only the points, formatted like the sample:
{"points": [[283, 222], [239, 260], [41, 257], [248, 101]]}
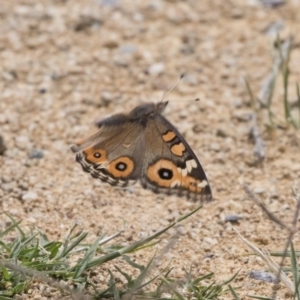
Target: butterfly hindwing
{"points": [[170, 166]]}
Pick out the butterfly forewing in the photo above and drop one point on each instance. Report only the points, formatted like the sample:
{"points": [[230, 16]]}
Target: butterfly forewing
{"points": [[113, 159]]}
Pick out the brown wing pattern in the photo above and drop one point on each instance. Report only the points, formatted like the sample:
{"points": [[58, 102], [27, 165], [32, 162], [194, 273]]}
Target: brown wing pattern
{"points": [[170, 166], [143, 145], [110, 154]]}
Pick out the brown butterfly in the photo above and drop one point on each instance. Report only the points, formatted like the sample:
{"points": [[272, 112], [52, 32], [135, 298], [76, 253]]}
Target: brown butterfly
{"points": [[145, 146]]}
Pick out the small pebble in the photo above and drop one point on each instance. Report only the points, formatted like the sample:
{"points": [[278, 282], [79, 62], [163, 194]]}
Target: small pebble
{"points": [[237, 13], [209, 256], [23, 185], [215, 146], [232, 218], [6, 179], [221, 133], [128, 49], [121, 61], [111, 42], [273, 28], [2, 119], [109, 2], [263, 276], [8, 187], [258, 190], [31, 220], [187, 49], [86, 22], [242, 117], [22, 142], [272, 3], [191, 79], [156, 69], [106, 97], [36, 153], [2, 146], [138, 17], [30, 196], [42, 91]]}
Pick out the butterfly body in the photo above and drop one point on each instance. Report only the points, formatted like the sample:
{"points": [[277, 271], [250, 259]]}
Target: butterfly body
{"points": [[145, 146]]}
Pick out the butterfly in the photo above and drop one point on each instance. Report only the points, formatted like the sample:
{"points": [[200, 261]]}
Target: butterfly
{"points": [[143, 145]]}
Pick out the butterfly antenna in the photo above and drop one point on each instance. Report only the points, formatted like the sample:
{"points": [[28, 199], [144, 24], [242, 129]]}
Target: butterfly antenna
{"points": [[172, 88]]}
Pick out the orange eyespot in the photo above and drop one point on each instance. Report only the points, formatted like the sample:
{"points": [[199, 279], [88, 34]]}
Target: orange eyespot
{"points": [[121, 167], [166, 174], [95, 156]]}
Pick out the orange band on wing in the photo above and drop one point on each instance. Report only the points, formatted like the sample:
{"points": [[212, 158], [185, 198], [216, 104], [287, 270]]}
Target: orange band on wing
{"points": [[178, 149], [169, 136]]}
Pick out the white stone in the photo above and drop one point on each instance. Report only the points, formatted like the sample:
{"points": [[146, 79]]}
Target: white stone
{"points": [[30, 196], [22, 142], [156, 69]]}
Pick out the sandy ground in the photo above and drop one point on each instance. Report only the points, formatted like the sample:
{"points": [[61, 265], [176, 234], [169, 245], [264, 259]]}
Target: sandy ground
{"points": [[65, 64]]}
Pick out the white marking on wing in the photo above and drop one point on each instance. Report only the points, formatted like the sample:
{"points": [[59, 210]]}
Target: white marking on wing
{"points": [[103, 165], [111, 180], [85, 163], [194, 164], [190, 164], [184, 172], [131, 182], [121, 183], [175, 183], [202, 184]]}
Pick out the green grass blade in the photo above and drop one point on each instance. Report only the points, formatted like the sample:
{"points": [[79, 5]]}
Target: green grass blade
{"points": [[34, 252], [140, 279], [129, 279], [112, 284], [233, 292], [249, 90], [16, 248], [10, 228], [298, 99], [231, 279], [199, 279], [109, 238], [172, 288], [134, 246], [5, 298], [19, 245], [287, 108], [260, 297], [53, 248], [287, 254], [295, 271], [132, 263], [67, 248], [17, 226], [270, 97], [5, 273], [87, 258]]}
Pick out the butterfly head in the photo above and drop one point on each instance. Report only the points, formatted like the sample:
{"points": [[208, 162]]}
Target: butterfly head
{"points": [[148, 109]]}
